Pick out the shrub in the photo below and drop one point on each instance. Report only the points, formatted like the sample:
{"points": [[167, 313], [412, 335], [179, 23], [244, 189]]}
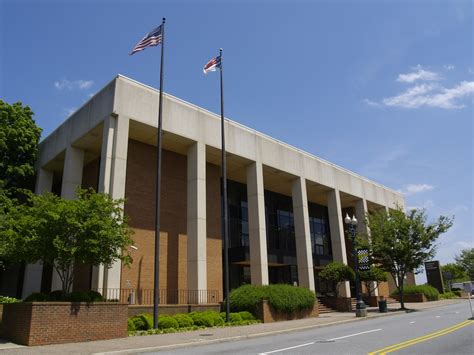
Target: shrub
{"points": [[95, 296], [430, 292], [184, 321], [56, 296], [337, 272], [457, 293], [283, 298], [36, 297], [235, 317], [6, 299], [139, 323], [131, 325], [77, 296], [142, 321], [167, 322], [206, 319], [288, 299], [246, 315], [447, 295], [246, 298]]}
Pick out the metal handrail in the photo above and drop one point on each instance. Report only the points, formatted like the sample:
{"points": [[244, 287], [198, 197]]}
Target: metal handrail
{"points": [[167, 296]]}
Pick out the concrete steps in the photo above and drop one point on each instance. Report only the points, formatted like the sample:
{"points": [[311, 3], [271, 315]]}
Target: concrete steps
{"points": [[323, 308]]}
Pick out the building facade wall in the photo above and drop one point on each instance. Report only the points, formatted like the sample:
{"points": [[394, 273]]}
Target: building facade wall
{"points": [[126, 168]]}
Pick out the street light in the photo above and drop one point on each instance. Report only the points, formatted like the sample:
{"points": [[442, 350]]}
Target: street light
{"points": [[361, 311]]}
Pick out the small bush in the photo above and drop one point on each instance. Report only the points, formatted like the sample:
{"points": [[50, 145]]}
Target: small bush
{"points": [[184, 321], [288, 299], [430, 292], [36, 297], [457, 293], [207, 319], [247, 298], [235, 317], [283, 298], [138, 323], [447, 295], [167, 322], [131, 325], [77, 296], [142, 321], [246, 315], [6, 299], [56, 296], [95, 296]]}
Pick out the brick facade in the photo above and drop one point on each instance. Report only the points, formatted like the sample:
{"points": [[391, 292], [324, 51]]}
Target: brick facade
{"points": [[267, 314], [41, 323], [140, 208]]}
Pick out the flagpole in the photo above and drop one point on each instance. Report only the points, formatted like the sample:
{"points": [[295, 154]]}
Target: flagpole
{"points": [[156, 293], [224, 198]]}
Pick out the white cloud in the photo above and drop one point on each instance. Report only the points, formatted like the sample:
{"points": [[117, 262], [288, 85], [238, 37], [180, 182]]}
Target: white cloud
{"points": [[371, 103], [420, 74], [75, 84], [431, 95], [424, 206], [448, 67], [412, 189]]}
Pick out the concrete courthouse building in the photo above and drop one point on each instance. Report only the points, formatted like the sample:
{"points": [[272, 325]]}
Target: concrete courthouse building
{"points": [[286, 206]]}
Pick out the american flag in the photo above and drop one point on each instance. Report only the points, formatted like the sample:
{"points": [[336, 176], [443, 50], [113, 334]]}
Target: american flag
{"points": [[151, 39], [212, 64]]}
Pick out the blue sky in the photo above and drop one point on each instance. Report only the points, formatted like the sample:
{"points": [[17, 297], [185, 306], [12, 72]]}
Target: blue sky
{"points": [[383, 88]]}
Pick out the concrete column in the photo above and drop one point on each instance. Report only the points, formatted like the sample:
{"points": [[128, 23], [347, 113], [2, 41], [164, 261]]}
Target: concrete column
{"points": [[196, 219], [34, 272], [304, 254], [72, 179], [257, 226], [72, 174], [112, 178], [361, 211], [338, 242]]}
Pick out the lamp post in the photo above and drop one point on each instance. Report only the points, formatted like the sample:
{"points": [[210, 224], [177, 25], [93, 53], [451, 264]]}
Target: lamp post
{"points": [[361, 310]]}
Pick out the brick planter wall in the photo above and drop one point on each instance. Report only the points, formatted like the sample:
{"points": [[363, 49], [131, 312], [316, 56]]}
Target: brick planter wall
{"points": [[372, 301], [267, 314], [41, 323], [417, 297]]}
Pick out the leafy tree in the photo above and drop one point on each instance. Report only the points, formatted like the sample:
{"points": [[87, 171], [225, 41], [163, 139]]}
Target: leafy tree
{"points": [[401, 243], [466, 261], [372, 278], [458, 274], [91, 230], [19, 138], [336, 273]]}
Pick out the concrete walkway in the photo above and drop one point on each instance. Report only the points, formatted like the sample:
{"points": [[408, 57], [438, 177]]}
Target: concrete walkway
{"points": [[212, 335]]}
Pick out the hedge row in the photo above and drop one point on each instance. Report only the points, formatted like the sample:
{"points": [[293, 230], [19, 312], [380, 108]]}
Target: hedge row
{"points": [[431, 293], [283, 298], [193, 320], [58, 296], [450, 294]]}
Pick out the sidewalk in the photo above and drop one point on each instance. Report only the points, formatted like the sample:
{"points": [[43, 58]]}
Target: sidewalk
{"points": [[210, 335]]}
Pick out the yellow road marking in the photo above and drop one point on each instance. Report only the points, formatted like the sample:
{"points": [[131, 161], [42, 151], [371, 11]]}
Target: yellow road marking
{"points": [[410, 342]]}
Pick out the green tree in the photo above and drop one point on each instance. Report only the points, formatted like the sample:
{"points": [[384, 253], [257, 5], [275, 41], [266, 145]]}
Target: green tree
{"points": [[401, 243], [457, 273], [91, 230], [19, 138], [336, 273], [466, 261], [372, 278]]}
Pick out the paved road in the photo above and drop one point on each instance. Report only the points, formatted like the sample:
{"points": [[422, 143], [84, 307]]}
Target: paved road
{"points": [[443, 330]]}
